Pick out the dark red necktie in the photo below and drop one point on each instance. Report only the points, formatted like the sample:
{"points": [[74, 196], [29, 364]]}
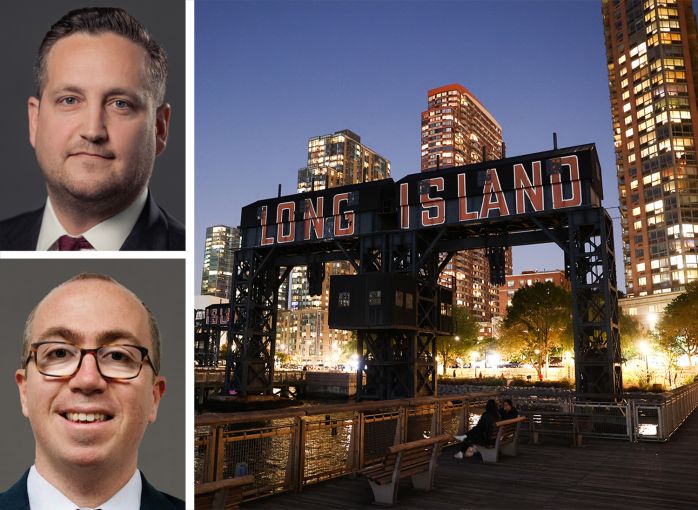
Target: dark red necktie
{"points": [[68, 243]]}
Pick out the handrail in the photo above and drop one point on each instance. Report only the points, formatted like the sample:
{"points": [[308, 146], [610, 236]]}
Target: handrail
{"points": [[314, 409]]}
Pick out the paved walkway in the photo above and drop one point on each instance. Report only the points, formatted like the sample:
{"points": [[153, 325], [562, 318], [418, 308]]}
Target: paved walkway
{"points": [[603, 474]]}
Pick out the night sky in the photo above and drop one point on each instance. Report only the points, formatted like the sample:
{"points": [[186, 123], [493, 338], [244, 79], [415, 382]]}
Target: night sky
{"points": [[270, 75]]}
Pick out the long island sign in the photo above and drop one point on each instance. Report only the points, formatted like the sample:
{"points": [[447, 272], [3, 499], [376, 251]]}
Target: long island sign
{"points": [[507, 188]]}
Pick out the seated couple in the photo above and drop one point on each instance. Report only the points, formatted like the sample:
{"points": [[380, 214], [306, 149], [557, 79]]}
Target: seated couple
{"points": [[481, 434]]}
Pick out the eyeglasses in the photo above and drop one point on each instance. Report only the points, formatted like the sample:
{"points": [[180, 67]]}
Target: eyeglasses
{"points": [[61, 359]]}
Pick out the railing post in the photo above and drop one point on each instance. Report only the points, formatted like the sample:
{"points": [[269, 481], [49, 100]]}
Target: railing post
{"points": [[300, 466], [290, 479], [361, 439], [220, 453]]}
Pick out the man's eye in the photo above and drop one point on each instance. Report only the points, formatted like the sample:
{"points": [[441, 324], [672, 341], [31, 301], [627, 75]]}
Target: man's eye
{"points": [[121, 104], [69, 101]]}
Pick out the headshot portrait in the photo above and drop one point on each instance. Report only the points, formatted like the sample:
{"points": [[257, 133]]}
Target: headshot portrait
{"points": [[96, 158], [95, 417]]}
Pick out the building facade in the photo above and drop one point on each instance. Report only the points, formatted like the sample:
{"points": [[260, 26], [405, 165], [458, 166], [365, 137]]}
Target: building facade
{"points": [[216, 277], [458, 130], [335, 159], [652, 58], [515, 282]]}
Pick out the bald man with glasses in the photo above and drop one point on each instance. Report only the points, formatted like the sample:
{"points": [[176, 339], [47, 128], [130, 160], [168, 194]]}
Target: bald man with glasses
{"points": [[89, 385]]}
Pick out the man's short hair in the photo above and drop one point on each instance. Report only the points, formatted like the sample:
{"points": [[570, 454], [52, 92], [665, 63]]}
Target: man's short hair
{"points": [[100, 20], [153, 353]]}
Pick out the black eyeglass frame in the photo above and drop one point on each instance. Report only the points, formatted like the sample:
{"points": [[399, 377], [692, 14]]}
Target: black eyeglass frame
{"points": [[145, 356]]}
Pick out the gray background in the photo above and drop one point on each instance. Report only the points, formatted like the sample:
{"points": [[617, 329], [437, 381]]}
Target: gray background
{"points": [[160, 284], [24, 25]]}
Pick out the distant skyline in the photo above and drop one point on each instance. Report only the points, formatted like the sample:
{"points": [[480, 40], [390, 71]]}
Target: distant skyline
{"points": [[271, 74]]}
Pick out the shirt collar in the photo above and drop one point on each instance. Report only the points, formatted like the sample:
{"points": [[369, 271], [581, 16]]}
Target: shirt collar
{"points": [[44, 496], [108, 235]]}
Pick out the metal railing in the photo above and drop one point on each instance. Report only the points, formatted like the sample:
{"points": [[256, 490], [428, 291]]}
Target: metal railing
{"points": [[290, 449], [638, 417], [293, 448], [657, 418]]}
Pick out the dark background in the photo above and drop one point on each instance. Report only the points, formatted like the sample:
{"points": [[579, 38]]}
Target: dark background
{"points": [[24, 25], [160, 285]]}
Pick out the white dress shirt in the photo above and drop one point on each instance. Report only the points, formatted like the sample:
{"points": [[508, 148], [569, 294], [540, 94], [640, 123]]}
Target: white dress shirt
{"points": [[44, 496], [108, 235]]}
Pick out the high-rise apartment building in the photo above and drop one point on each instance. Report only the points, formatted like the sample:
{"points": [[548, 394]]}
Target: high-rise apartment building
{"points": [[221, 242], [458, 130], [335, 159], [652, 57], [515, 282]]}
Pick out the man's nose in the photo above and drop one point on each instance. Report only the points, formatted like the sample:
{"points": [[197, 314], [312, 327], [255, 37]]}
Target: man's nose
{"points": [[94, 128], [88, 379]]}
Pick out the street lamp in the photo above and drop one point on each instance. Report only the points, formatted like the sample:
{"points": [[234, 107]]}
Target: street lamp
{"points": [[645, 349]]}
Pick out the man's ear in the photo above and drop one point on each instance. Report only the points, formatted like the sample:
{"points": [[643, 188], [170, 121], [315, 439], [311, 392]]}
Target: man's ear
{"points": [[21, 380], [33, 112], [159, 385], [162, 127]]}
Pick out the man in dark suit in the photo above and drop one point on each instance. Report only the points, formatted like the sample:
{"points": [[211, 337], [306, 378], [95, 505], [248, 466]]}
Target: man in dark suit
{"points": [[89, 385], [97, 123]]}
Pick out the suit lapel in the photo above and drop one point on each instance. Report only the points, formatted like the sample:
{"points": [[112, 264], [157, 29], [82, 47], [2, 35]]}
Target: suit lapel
{"points": [[16, 497], [153, 499], [150, 231], [21, 232]]}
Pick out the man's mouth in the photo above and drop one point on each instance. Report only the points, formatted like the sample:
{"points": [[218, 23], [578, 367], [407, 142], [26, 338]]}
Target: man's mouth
{"points": [[86, 417], [94, 155]]}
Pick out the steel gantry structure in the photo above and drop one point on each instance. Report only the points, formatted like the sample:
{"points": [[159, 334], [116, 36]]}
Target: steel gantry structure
{"points": [[398, 237]]}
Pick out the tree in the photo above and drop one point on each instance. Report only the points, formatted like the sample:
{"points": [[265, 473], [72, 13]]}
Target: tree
{"points": [[463, 338], [282, 357], [537, 322], [678, 328], [631, 332]]}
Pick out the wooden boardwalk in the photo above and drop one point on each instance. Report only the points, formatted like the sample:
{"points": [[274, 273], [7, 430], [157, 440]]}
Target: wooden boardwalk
{"points": [[603, 474]]}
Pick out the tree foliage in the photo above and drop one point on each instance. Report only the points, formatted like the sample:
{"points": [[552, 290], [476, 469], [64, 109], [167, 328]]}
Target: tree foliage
{"points": [[631, 332], [539, 319], [678, 328], [465, 330]]}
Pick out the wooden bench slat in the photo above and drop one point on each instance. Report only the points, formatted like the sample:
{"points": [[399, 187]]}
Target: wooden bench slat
{"points": [[227, 483], [416, 460]]}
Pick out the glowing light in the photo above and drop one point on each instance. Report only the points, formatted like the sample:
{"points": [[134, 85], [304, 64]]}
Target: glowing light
{"points": [[493, 359], [648, 429]]}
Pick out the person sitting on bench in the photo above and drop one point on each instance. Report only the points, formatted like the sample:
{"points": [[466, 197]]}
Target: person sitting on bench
{"points": [[508, 411], [480, 434]]}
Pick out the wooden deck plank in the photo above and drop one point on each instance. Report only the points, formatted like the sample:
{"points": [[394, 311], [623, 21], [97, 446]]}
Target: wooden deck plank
{"points": [[607, 474]]}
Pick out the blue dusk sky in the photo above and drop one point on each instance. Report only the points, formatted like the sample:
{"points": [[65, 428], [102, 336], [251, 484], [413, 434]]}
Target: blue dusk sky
{"points": [[271, 74]]}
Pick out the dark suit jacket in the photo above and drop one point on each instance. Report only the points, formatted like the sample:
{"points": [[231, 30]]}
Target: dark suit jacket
{"points": [[154, 230], [16, 497]]}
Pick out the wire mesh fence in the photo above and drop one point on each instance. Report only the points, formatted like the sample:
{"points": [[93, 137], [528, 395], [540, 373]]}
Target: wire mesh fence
{"points": [[292, 452], [296, 448]]}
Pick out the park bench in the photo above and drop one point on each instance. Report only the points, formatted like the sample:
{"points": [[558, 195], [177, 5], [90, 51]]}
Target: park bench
{"points": [[557, 424], [505, 436], [221, 494], [416, 459]]}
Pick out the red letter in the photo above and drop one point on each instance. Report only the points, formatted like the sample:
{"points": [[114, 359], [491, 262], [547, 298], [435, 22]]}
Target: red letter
{"points": [[404, 206], [463, 213], [310, 216], [265, 239], [280, 209], [523, 186], [559, 201], [492, 187], [437, 203], [348, 215]]}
